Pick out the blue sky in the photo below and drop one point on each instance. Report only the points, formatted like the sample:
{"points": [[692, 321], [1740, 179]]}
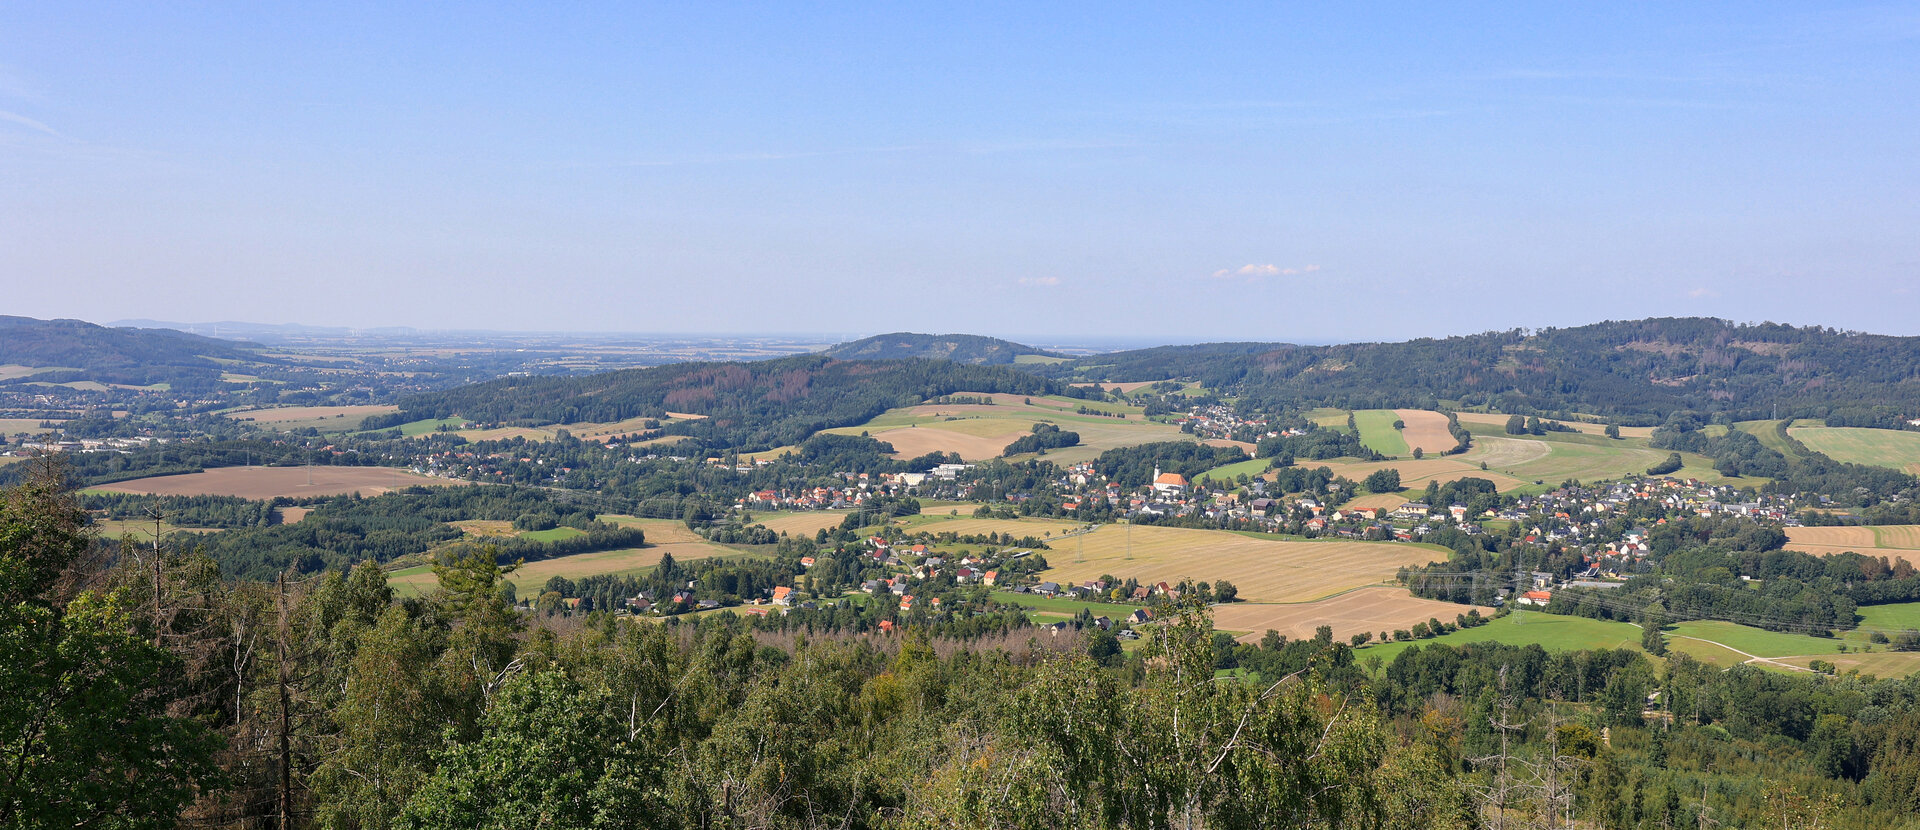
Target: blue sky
{"points": [[1176, 172]]}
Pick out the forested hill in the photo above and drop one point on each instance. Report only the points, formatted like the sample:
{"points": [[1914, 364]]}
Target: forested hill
{"points": [[749, 406], [959, 348], [1642, 369], [113, 355]]}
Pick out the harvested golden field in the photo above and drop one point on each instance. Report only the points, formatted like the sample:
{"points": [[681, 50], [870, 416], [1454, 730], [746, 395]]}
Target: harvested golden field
{"points": [[1851, 538], [1262, 569], [1425, 430], [292, 515], [1379, 501], [347, 415], [1370, 610], [1886, 540], [912, 442], [268, 482]]}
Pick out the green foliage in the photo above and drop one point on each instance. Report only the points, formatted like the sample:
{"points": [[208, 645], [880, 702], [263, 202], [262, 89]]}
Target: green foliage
{"points": [[1134, 466], [86, 735], [1043, 437], [1385, 480], [549, 754]]}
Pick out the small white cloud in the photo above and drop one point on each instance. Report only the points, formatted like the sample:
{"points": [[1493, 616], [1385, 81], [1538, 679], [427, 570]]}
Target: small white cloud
{"points": [[1702, 293], [1045, 282], [1257, 272]]}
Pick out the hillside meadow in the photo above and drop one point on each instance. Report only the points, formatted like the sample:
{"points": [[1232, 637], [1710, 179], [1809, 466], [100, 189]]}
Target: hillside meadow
{"points": [[1899, 449]]}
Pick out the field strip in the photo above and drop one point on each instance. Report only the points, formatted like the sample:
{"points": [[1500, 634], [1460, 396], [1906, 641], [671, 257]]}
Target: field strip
{"points": [[1425, 430], [1507, 452], [1750, 658]]}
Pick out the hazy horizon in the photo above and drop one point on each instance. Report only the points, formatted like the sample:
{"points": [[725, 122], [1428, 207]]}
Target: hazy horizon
{"points": [[1047, 175]]}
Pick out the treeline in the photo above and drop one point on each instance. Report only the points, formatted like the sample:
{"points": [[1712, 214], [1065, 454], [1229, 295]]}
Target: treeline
{"points": [[179, 457], [1043, 437], [347, 530], [1317, 444], [1134, 466], [225, 512], [749, 406]]}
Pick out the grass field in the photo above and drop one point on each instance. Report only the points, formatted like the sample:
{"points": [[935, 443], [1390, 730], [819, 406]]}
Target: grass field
{"points": [[268, 482], [1765, 431], [322, 418], [982, 431], [1551, 632], [1896, 617], [1899, 449], [17, 426], [1515, 462], [1755, 641], [1377, 432], [15, 371], [1262, 569], [1368, 609]]}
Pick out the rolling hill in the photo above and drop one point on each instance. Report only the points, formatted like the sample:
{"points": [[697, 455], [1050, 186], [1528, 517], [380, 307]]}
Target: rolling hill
{"points": [[747, 406], [72, 350], [959, 348], [1637, 371]]}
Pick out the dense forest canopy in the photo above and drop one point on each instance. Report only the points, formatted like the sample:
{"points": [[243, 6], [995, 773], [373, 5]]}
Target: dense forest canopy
{"points": [[1645, 368]]}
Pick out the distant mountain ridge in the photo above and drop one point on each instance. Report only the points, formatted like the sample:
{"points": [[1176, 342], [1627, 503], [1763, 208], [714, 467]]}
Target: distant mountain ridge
{"points": [[114, 355], [958, 348]]}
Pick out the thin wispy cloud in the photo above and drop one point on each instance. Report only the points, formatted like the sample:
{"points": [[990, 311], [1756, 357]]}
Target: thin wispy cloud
{"points": [[1252, 272], [16, 118], [1703, 293], [1042, 282]]}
